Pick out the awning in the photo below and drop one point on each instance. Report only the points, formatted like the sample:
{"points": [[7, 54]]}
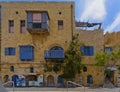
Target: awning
{"points": [[112, 68]]}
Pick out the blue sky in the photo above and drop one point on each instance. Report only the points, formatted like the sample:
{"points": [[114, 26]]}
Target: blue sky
{"points": [[105, 11]]}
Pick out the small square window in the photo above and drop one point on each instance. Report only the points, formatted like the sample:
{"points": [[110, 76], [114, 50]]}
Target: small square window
{"points": [[108, 50], [10, 51], [87, 50]]}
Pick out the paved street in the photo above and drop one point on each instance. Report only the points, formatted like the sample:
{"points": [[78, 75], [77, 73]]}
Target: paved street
{"points": [[81, 89]]}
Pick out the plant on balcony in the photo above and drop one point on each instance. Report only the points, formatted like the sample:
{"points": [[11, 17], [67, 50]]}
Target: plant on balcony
{"points": [[73, 58]]}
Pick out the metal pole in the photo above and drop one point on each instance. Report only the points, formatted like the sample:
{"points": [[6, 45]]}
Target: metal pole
{"points": [[67, 86], [84, 88], [13, 85]]}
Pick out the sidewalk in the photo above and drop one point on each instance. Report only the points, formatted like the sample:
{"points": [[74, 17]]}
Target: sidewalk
{"points": [[79, 89]]}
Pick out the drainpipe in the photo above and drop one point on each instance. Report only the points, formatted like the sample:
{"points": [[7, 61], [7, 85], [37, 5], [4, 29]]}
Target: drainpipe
{"points": [[0, 41], [71, 22]]}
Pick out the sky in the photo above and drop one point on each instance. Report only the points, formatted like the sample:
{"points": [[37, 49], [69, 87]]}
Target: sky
{"points": [[106, 12]]}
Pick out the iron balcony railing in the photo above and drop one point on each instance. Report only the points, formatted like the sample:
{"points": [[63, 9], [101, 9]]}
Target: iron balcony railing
{"points": [[54, 54]]}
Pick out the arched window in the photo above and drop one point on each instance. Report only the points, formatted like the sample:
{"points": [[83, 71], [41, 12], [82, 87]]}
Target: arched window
{"points": [[56, 48], [31, 70], [12, 68], [89, 79], [84, 69]]}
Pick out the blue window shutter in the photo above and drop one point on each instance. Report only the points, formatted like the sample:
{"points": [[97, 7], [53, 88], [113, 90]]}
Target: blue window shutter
{"points": [[6, 51], [44, 25], [12, 51], [91, 50], [22, 56], [86, 51], [29, 17], [29, 20], [26, 53], [30, 25], [44, 17]]}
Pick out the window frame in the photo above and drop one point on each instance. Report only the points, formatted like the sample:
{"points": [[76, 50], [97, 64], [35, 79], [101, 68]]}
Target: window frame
{"points": [[87, 50], [60, 24], [11, 26], [31, 69], [25, 49], [108, 50], [10, 51], [12, 68], [22, 24]]}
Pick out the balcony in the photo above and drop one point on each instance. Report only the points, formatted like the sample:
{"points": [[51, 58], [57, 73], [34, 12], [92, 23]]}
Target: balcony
{"points": [[54, 54], [38, 22], [38, 28]]}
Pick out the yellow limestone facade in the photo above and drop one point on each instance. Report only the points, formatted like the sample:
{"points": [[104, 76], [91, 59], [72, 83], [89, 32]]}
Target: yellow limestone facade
{"points": [[46, 26], [92, 38]]}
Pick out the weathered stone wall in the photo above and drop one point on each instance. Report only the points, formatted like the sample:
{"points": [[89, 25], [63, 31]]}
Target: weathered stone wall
{"points": [[92, 38], [17, 11], [112, 39]]}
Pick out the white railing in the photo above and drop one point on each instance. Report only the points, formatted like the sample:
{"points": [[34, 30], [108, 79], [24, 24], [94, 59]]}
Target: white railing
{"points": [[74, 84], [13, 85]]}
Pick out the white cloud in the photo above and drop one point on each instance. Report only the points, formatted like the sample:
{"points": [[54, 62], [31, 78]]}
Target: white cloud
{"points": [[114, 25], [93, 10]]}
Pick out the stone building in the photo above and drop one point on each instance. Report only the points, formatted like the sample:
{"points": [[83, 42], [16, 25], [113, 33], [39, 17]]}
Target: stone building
{"points": [[34, 33], [112, 43], [93, 43], [33, 39]]}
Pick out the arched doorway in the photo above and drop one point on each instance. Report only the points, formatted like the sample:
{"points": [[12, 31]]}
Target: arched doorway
{"points": [[60, 81], [50, 81], [15, 79], [89, 79], [30, 78]]}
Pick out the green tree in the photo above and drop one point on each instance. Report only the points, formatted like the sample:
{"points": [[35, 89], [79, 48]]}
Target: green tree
{"points": [[108, 59], [73, 58]]}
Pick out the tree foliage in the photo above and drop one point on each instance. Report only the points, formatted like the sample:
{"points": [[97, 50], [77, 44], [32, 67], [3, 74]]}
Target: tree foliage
{"points": [[73, 58], [108, 59]]}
